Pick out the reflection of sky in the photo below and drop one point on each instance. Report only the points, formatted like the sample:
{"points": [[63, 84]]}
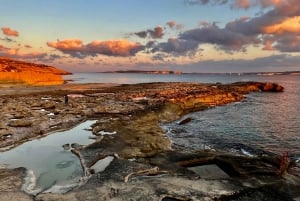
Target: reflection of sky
{"points": [[46, 156]]}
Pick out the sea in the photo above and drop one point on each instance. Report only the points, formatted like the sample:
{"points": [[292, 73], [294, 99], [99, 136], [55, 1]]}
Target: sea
{"points": [[264, 123]]}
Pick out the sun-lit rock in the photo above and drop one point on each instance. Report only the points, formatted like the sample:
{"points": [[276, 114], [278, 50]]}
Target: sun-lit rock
{"points": [[17, 72]]}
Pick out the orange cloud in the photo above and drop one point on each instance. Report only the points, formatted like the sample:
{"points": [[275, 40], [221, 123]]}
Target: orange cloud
{"points": [[67, 45], [113, 47], [268, 46], [15, 53], [76, 48], [9, 32], [290, 25]]}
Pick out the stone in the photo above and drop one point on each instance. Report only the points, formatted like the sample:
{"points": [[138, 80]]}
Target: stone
{"points": [[209, 172], [20, 123], [66, 147], [185, 121]]}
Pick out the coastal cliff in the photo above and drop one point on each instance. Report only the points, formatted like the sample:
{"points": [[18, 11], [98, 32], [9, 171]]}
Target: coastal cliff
{"points": [[24, 73]]}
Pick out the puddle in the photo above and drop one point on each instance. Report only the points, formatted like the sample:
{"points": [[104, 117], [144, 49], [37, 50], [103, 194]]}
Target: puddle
{"points": [[47, 162]]}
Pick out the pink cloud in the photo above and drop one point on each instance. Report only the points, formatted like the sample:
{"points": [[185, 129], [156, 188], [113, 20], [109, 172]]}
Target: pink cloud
{"points": [[67, 45], [157, 32], [245, 4], [76, 48], [15, 53], [171, 24], [268, 45], [112, 48], [9, 32]]}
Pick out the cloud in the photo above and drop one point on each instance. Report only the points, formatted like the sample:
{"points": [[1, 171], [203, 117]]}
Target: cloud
{"points": [[175, 46], [142, 34], [289, 25], [205, 2], [221, 37], [240, 4], [280, 22], [171, 24], [156, 33], [67, 45], [15, 53], [113, 48], [264, 64], [268, 44], [9, 32], [288, 43], [245, 4], [77, 48], [8, 40], [174, 25]]}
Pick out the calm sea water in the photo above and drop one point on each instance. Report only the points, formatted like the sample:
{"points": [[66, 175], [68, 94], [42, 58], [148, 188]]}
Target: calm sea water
{"points": [[263, 123]]}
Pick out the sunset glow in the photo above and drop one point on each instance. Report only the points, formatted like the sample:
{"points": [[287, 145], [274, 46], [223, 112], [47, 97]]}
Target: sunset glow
{"points": [[186, 35]]}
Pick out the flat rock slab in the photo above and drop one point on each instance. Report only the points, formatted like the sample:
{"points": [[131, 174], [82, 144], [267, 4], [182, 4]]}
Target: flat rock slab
{"points": [[209, 172]]}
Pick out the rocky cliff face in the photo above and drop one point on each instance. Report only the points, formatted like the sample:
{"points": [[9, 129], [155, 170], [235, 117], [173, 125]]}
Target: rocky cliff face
{"points": [[19, 72]]}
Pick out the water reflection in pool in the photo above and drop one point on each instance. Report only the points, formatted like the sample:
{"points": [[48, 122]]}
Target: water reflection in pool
{"points": [[49, 165]]}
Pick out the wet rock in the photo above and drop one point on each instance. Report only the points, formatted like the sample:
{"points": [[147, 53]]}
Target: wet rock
{"points": [[272, 87], [66, 147], [75, 145], [209, 172], [185, 121]]}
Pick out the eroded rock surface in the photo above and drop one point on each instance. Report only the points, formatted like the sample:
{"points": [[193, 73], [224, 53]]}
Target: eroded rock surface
{"points": [[143, 166]]}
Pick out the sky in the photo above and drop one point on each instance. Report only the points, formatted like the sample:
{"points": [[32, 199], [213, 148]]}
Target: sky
{"points": [[206, 36]]}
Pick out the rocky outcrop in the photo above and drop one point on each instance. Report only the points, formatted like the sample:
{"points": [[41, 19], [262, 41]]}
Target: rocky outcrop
{"points": [[17, 72]]}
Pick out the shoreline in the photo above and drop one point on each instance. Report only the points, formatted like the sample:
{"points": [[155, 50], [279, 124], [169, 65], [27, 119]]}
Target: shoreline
{"points": [[134, 113]]}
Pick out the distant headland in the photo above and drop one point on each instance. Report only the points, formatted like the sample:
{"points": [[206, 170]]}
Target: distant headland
{"points": [[176, 72], [14, 72]]}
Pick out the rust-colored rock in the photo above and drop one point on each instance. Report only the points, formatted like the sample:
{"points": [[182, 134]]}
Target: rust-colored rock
{"points": [[18, 72]]}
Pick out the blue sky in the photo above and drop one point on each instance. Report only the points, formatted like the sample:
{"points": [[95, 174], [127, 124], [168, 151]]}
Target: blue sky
{"points": [[186, 35]]}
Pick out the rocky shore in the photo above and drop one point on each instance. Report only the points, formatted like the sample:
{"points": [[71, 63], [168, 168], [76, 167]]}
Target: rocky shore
{"points": [[144, 164]]}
